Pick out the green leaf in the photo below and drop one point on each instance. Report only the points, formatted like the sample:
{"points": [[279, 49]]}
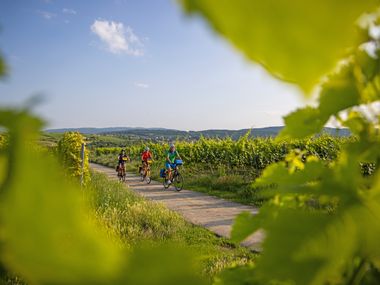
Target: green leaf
{"points": [[244, 225], [297, 41], [47, 235], [286, 237], [162, 265], [369, 68], [278, 174], [302, 123], [369, 65], [339, 92], [237, 276]]}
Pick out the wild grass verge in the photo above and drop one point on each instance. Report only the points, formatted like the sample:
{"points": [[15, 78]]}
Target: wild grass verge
{"points": [[131, 220]]}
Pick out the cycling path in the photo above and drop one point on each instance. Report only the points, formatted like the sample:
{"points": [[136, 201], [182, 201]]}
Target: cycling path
{"points": [[215, 214]]}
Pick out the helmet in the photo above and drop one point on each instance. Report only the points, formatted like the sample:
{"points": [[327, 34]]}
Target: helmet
{"points": [[147, 148], [172, 145]]}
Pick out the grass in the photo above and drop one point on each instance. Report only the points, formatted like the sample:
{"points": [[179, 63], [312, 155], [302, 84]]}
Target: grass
{"points": [[222, 183], [132, 220]]}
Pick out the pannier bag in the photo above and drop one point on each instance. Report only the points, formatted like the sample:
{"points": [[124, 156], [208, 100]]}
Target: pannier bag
{"points": [[162, 173]]}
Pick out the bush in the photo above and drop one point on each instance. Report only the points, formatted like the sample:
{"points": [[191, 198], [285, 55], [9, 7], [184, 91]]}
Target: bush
{"points": [[69, 153]]}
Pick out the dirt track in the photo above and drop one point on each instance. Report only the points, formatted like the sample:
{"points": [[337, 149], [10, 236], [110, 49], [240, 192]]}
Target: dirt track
{"points": [[213, 213]]}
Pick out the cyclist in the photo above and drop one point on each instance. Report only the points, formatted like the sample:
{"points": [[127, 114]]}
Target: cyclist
{"points": [[122, 158], [145, 156], [171, 156]]}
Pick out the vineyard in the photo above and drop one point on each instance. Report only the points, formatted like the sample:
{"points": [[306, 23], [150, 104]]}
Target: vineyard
{"points": [[224, 167], [253, 153]]}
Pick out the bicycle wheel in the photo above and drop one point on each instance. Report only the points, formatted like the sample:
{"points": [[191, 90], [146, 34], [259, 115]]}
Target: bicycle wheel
{"points": [[178, 182], [123, 175], [120, 175], [147, 177], [166, 183]]}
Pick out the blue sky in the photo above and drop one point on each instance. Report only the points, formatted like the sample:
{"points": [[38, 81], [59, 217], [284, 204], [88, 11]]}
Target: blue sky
{"points": [[142, 63]]}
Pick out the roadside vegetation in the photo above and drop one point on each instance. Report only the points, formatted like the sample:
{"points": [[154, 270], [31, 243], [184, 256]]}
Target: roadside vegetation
{"points": [[131, 221]]}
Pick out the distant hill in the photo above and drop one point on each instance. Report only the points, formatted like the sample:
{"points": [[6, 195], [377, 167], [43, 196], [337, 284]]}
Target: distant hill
{"points": [[89, 131], [172, 134]]}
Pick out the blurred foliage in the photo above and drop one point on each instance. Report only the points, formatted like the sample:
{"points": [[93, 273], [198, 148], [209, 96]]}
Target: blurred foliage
{"points": [[41, 239], [298, 41], [3, 141], [322, 220], [356, 82], [69, 153]]}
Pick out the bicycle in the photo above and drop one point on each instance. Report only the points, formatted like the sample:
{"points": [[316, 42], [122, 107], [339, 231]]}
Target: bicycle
{"points": [[121, 172], [145, 172], [177, 179]]}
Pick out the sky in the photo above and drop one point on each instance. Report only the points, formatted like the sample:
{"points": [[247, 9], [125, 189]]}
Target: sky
{"points": [[132, 63]]}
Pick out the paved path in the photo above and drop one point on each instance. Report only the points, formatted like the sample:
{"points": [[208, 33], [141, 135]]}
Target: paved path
{"points": [[213, 213]]}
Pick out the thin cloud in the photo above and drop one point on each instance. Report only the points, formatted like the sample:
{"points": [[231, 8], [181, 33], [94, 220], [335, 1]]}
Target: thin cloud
{"points": [[118, 38], [46, 15], [69, 11], [142, 85]]}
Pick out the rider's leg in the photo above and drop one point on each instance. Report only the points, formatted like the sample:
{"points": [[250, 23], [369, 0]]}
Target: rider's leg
{"points": [[168, 170], [145, 167]]}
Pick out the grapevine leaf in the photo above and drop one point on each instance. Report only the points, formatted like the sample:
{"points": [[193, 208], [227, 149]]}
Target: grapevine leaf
{"points": [[369, 65], [162, 265], [298, 42], [360, 126], [237, 276], [244, 225], [286, 237], [285, 182], [339, 92], [330, 248], [47, 236], [370, 70], [302, 123]]}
